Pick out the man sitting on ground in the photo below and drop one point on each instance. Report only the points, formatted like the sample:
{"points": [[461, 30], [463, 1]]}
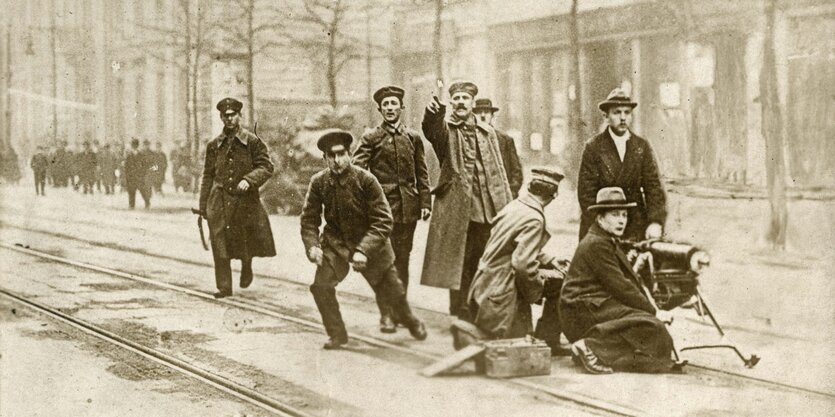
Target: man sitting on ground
{"points": [[604, 311]]}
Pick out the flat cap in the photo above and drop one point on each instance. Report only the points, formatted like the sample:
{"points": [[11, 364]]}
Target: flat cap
{"points": [[334, 137], [465, 86], [389, 91], [546, 175], [229, 104]]}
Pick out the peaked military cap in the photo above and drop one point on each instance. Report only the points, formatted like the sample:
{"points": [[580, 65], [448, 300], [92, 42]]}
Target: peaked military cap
{"points": [[546, 175], [389, 91], [465, 86], [485, 104], [334, 137], [617, 97], [610, 198], [229, 104]]}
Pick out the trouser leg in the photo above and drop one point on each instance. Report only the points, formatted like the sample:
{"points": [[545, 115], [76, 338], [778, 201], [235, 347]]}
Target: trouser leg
{"points": [[389, 291], [477, 236], [145, 191], [548, 326], [223, 273], [324, 294], [246, 272], [131, 195]]}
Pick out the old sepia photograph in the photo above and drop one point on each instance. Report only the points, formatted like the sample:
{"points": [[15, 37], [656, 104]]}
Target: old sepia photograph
{"points": [[418, 208]]}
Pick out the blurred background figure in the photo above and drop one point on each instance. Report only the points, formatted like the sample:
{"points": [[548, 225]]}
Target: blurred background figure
{"points": [[39, 164], [87, 166], [159, 162], [108, 164]]}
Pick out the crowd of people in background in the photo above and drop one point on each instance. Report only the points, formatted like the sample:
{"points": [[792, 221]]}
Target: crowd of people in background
{"points": [[95, 167]]}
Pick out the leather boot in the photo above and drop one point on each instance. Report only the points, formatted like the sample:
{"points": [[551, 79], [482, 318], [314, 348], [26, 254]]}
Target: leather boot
{"points": [[387, 324], [328, 306], [246, 273], [404, 312]]}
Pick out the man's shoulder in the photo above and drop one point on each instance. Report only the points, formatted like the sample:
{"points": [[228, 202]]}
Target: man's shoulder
{"points": [[320, 177], [597, 139], [373, 136]]}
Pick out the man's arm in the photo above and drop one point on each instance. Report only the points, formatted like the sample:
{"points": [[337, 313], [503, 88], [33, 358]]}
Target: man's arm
{"points": [[366, 150], [311, 217], [379, 216], [588, 182], [606, 268], [656, 198], [208, 176], [422, 173], [514, 165], [525, 260], [434, 129], [262, 164]]}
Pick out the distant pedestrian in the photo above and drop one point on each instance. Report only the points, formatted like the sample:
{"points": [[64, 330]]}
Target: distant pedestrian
{"points": [[356, 235], [39, 164], [108, 164], [136, 172], [160, 166], [237, 164], [87, 168], [394, 154]]}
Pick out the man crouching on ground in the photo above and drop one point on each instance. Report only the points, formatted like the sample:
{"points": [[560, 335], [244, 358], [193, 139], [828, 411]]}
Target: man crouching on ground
{"points": [[513, 272], [356, 234], [611, 323]]}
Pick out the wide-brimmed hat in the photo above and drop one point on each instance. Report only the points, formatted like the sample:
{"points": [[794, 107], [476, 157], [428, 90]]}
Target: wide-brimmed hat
{"points": [[485, 104], [465, 86], [229, 105], [610, 198], [617, 97], [334, 137], [389, 91]]}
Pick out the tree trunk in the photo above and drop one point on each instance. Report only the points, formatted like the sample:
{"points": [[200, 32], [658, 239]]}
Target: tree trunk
{"points": [[369, 87], [576, 126], [772, 130], [195, 76], [331, 74], [436, 47], [250, 89], [193, 144]]}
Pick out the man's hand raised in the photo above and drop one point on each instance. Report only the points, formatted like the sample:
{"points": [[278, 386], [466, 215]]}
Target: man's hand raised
{"points": [[435, 105]]}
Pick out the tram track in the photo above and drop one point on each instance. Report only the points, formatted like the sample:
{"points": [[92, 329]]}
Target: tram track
{"points": [[245, 394], [583, 401], [269, 310]]}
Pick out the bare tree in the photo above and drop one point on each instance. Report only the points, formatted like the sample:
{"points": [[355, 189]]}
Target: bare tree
{"points": [[436, 45], [576, 125], [258, 27], [328, 45], [772, 130]]}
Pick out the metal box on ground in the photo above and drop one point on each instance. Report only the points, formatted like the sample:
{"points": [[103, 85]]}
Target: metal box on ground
{"points": [[509, 358]]}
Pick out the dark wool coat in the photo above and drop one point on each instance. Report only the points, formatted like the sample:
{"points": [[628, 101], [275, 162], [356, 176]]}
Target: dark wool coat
{"points": [[136, 166], [510, 160], [397, 159], [602, 302], [39, 163], [444, 259], [508, 279], [238, 224], [601, 167], [357, 219], [87, 164]]}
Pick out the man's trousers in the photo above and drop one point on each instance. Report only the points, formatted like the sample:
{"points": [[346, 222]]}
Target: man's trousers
{"points": [[477, 236], [223, 272], [402, 236]]}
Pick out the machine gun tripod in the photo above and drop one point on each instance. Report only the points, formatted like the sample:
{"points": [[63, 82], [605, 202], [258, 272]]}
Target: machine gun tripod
{"points": [[672, 273]]}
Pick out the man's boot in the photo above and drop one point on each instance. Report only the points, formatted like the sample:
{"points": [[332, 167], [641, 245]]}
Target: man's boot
{"points": [[404, 312], [246, 272], [328, 306]]}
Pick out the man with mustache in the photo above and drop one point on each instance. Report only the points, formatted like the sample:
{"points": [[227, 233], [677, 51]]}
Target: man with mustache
{"points": [[486, 112], [394, 154], [619, 158], [472, 188]]}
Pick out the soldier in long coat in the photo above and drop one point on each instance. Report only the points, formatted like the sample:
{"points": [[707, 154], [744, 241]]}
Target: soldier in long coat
{"points": [[604, 310], [356, 235], [237, 163], [472, 188], [514, 271], [617, 157], [394, 154]]}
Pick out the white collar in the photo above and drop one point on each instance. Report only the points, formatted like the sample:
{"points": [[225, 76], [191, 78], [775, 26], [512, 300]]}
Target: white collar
{"points": [[621, 138]]}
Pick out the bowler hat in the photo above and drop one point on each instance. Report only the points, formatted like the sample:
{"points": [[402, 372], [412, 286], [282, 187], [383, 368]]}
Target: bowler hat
{"points": [[610, 198], [485, 104], [389, 91], [617, 97], [465, 86], [546, 175], [334, 137], [228, 105]]}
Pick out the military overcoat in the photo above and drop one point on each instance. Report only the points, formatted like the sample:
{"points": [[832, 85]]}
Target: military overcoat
{"points": [[238, 224], [444, 259]]}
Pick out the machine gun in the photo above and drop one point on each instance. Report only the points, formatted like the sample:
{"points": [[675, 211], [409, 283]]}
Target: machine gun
{"points": [[672, 278]]}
